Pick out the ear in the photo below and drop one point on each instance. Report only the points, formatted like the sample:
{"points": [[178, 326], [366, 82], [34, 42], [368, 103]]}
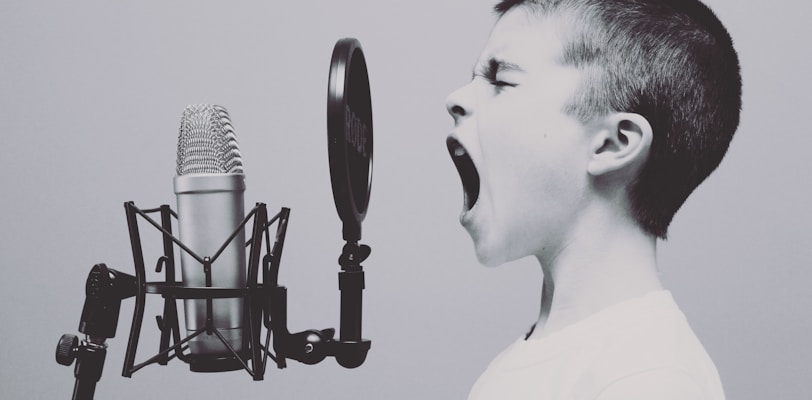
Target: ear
{"points": [[621, 142]]}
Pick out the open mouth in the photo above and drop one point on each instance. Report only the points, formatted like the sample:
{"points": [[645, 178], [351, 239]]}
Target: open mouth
{"points": [[467, 170]]}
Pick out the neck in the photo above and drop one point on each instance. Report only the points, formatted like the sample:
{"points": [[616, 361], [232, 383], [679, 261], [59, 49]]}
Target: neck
{"points": [[602, 263]]}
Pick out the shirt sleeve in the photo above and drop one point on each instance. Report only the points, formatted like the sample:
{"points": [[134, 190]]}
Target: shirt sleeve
{"points": [[658, 384]]}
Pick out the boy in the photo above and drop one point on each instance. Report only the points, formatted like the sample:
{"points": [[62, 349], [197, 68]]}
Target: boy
{"points": [[585, 127]]}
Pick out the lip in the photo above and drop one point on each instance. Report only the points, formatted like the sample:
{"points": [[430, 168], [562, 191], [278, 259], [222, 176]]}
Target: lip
{"points": [[469, 176]]}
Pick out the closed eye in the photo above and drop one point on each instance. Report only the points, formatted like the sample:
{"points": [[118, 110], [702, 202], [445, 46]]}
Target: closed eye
{"points": [[497, 84], [500, 84], [490, 70]]}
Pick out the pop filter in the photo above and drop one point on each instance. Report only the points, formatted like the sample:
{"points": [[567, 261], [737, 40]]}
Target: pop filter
{"points": [[349, 134]]}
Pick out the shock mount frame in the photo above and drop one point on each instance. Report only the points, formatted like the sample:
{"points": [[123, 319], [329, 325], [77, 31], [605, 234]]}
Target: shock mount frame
{"points": [[265, 305]]}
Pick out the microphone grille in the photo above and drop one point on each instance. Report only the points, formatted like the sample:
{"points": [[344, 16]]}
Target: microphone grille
{"points": [[206, 142]]}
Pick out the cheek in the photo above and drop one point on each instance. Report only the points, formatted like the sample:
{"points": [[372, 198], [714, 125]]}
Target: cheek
{"points": [[510, 142], [537, 182], [524, 157]]}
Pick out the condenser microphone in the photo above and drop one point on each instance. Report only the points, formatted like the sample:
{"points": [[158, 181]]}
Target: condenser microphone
{"points": [[229, 303], [210, 187]]}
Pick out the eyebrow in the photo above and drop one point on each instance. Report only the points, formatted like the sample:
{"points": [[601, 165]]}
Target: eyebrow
{"points": [[493, 65]]}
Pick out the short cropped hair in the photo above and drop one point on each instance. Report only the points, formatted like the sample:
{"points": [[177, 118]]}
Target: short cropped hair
{"points": [[671, 61]]}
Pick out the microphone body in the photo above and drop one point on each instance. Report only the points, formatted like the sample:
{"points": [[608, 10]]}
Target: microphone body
{"points": [[210, 187], [210, 207]]}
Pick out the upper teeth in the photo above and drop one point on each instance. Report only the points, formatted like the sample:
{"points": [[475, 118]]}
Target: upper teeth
{"points": [[459, 151]]}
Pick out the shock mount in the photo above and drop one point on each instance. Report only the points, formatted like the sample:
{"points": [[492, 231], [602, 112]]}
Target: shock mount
{"points": [[265, 307]]}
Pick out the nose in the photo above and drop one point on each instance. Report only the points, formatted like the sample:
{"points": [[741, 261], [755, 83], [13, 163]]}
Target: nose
{"points": [[457, 105]]}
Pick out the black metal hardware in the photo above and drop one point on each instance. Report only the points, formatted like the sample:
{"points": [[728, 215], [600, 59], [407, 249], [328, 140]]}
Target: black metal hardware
{"points": [[265, 307]]}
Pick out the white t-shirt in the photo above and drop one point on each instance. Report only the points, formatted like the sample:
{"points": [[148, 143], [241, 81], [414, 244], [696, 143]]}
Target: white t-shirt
{"points": [[638, 349]]}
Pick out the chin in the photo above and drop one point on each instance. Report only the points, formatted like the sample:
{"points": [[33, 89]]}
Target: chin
{"points": [[490, 254], [497, 249], [488, 261]]}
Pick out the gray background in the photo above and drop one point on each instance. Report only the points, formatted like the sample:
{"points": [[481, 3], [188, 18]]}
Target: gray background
{"points": [[91, 94]]}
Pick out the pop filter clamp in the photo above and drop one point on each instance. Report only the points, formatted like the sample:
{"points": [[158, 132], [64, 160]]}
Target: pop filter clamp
{"points": [[349, 131]]}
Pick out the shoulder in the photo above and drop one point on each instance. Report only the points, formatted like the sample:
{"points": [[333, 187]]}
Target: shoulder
{"points": [[653, 335], [655, 355]]}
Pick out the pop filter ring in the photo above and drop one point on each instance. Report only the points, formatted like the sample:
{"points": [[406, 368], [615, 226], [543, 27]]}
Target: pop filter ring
{"points": [[349, 134]]}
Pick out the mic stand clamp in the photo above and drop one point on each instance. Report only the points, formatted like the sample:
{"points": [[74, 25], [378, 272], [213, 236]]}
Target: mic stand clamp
{"points": [[351, 350], [104, 291], [89, 356], [312, 346]]}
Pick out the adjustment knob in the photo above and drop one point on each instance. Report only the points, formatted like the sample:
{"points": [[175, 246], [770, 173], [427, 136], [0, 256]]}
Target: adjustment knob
{"points": [[66, 349]]}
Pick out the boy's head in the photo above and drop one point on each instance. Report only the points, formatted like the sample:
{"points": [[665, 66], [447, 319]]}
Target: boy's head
{"points": [[664, 72]]}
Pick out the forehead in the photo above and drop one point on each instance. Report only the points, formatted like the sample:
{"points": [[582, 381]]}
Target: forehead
{"points": [[521, 37]]}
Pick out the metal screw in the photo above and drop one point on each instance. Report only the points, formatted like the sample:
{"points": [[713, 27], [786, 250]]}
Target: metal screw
{"points": [[308, 348]]}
